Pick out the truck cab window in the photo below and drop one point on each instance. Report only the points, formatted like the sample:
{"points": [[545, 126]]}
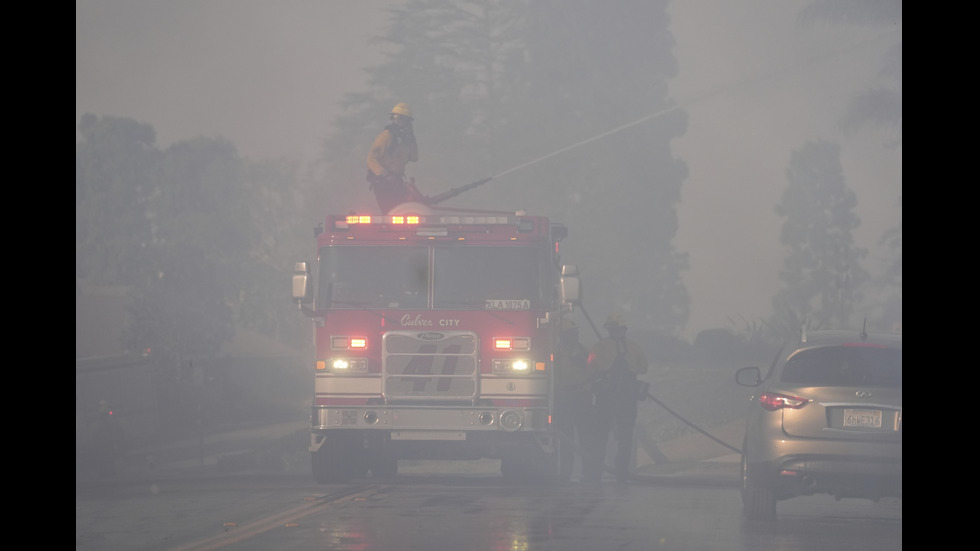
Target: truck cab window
{"points": [[377, 277], [468, 276]]}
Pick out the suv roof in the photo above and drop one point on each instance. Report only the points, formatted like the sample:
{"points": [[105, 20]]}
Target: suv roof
{"points": [[837, 337]]}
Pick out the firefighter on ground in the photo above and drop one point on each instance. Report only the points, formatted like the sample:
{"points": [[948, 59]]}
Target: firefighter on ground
{"points": [[614, 363], [573, 396], [392, 150]]}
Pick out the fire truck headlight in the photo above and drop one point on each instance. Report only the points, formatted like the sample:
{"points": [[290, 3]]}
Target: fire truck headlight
{"points": [[512, 366], [348, 365]]}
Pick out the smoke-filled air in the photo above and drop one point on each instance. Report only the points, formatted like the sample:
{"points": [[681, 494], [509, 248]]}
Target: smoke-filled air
{"points": [[730, 166]]}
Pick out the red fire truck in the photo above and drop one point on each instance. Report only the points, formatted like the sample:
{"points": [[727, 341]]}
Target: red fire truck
{"points": [[435, 330]]}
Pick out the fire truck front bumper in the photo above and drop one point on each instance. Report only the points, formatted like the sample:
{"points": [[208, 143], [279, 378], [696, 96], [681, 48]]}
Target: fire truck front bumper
{"points": [[430, 422]]}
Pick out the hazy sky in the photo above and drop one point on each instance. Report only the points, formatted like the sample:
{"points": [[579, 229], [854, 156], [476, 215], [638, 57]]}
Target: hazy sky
{"points": [[269, 76]]}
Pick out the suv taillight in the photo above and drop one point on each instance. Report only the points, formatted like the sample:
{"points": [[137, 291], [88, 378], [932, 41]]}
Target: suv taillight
{"points": [[772, 401]]}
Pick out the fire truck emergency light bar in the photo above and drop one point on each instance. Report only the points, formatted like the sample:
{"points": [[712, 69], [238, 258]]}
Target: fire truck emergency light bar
{"points": [[412, 219]]}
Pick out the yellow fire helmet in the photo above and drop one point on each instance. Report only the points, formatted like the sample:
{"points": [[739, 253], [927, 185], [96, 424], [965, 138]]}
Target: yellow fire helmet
{"points": [[403, 110]]}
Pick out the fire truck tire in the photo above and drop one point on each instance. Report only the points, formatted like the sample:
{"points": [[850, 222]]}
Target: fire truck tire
{"points": [[357, 460], [325, 468], [512, 469], [530, 468], [336, 462], [384, 466]]}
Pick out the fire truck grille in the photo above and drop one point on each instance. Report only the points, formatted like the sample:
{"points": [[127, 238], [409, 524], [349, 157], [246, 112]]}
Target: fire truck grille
{"points": [[430, 365]]}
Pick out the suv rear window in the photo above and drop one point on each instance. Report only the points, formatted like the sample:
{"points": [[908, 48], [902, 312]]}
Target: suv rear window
{"points": [[845, 366]]}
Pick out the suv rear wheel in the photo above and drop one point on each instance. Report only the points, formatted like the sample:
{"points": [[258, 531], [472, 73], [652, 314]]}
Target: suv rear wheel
{"points": [[758, 501]]}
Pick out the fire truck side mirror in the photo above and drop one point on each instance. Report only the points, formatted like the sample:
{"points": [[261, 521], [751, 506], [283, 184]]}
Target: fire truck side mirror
{"points": [[302, 287], [571, 291]]}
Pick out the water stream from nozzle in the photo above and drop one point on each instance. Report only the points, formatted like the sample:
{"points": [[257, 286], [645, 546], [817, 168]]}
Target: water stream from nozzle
{"points": [[586, 141], [755, 79]]}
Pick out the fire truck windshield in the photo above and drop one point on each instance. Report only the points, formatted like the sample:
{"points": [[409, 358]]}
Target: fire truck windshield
{"points": [[374, 277], [464, 277], [493, 278]]}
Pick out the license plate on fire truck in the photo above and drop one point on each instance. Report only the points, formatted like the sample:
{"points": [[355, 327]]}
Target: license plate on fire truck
{"points": [[515, 304], [862, 418]]}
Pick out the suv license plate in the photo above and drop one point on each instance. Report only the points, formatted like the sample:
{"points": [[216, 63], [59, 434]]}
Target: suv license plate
{"points": [[862, 418]]}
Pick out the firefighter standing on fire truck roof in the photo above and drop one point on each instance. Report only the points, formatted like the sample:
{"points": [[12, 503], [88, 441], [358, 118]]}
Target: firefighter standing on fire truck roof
{"points": [[573, 396], [392, 150], [615, 361]]}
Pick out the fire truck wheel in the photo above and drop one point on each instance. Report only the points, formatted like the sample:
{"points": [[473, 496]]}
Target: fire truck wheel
{"points": [[513, 469], [358, 465], [530, 467], [384, 466], [325, 470], [335, 463]]}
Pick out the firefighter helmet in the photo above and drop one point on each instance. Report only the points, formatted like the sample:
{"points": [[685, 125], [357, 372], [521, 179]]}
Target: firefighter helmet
{"points": [[568, 324], [403, 110], [615, 319]]}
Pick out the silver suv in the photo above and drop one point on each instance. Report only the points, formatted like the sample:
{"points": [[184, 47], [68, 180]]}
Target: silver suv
{"points": [[827, 419]]}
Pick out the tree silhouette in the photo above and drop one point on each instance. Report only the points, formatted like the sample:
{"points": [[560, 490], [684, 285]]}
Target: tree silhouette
{"points": [[115, 166], [880, 106], [203, 239], [822, 271]]}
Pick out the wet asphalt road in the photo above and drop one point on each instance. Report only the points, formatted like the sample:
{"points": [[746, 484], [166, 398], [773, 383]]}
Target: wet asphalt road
{"points": [[692, 502]]}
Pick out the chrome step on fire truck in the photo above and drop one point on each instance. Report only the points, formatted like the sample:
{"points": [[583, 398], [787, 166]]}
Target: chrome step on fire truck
{"points": [[435, 330]]}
